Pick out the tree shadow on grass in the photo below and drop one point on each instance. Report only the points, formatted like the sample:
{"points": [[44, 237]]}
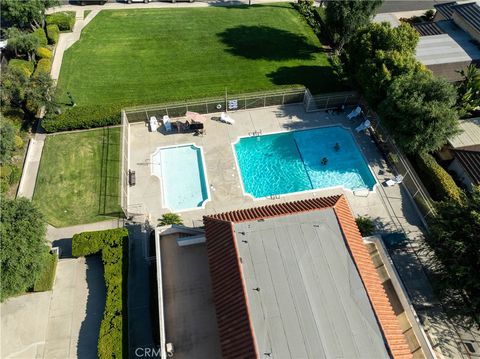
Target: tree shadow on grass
{"points": [[318, 79], [267, 43]]}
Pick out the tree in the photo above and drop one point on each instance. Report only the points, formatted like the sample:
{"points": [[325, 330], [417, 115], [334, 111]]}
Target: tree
{"points": [[30, 94], [170, 218], [419, 109], [344, 18], [40, 93], [453, 237], [22, 43], [380, 53], [7, 142], [13, 84], [469, 91], [25, 13], [23, 246]]}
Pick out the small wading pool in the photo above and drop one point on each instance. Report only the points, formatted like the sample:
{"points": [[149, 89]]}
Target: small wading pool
{"points": [[182, 177], [290, 162]]}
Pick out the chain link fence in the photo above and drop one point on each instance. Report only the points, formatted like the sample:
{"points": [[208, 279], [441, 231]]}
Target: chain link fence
{"points": [[217, 104], [329, 101]]}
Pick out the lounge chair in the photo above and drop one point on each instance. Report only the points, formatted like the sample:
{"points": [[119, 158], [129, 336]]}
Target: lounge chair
{"points": [[363, 126], [227, 119], [393, 181], [354, 113], [167, 123], [153, 124]]}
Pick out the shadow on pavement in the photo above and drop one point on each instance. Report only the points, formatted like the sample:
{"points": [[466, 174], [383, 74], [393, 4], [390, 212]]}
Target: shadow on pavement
{"points": [[89, 331]]}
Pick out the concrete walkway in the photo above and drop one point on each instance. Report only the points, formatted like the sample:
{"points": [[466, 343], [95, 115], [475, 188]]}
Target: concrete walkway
{"points": [[69, 38], [26, 187]]}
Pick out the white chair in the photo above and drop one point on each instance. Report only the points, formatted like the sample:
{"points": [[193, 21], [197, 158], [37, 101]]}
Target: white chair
{"points": [[227, 119], [363, 126], [393, 181], [354, 113], [153, 124], [167, 123]]}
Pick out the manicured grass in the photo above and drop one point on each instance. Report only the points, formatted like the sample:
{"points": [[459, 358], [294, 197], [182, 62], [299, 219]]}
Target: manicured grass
{"points": [[159, 55], [78, 179], [86, 12], [45, 281]]}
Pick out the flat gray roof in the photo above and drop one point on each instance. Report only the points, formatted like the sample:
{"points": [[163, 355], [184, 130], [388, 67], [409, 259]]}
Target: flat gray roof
{"points": [[470, 135], [453, 46], [311, 302]]}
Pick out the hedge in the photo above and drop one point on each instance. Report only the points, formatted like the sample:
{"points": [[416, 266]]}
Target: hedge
{"points": [[64, 20], [438, 182], [45, 280], [42, 37], [82, 117], [25, 66], [53, 33], [113, 244], [43, 67], [44, 53], [313, 16]]}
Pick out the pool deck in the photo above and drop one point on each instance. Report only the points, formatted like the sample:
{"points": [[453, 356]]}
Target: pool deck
{"points": [[221, 169]]}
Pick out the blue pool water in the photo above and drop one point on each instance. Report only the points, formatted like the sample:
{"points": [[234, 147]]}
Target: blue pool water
{"points": [[182, 174], [291, 162]]}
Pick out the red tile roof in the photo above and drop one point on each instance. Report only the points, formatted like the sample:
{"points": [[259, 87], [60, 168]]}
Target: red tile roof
{"points": [[231, 302]]}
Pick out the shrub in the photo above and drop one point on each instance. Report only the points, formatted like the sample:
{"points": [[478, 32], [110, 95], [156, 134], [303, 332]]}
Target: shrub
{"points": [[170, 218], [312, 15], [42, 37], [438, 182], [46, 277], [18, 142], [64, 20], [25, 66], [82, 117], [113, 245], [43, 67], [365, 225], [53, 32], [44, 53]]}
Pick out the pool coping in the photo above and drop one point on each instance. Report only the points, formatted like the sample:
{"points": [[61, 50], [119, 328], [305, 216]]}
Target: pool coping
{"points": [[162, 187], [246, 194]]}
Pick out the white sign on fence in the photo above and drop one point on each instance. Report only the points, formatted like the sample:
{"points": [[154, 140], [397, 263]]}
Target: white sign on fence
{"points": [[232, 104]]}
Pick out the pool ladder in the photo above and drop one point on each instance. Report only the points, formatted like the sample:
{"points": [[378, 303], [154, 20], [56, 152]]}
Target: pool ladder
{"points": [[274, 196], [255, 133]]}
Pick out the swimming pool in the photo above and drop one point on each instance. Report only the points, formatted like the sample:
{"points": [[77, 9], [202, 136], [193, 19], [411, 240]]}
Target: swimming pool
{"points": [[182, 177], [290, 162]]}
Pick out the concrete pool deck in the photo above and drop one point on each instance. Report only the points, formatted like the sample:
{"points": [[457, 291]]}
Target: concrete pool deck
{"points": [[221, 169]]}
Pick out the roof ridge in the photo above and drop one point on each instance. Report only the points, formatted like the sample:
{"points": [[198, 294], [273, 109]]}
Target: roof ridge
{"points": [[276, 209]]}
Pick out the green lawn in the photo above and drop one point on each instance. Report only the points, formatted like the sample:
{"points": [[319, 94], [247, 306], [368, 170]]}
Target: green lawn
{"points": [[159, 55], [78, 179]]}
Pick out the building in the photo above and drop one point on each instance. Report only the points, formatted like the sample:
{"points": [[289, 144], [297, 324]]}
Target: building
{"points": [[466, 164], [296, 280], [451, 42]]}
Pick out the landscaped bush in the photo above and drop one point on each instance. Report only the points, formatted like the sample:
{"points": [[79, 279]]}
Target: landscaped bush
{"points": [[53, 32], [439, 183], [43, 67], [365, 225], [64, 20], [45, 280], [312, 15], [26, 66], [42, 37], [113, 245], [44, 53], [83, 117]]}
